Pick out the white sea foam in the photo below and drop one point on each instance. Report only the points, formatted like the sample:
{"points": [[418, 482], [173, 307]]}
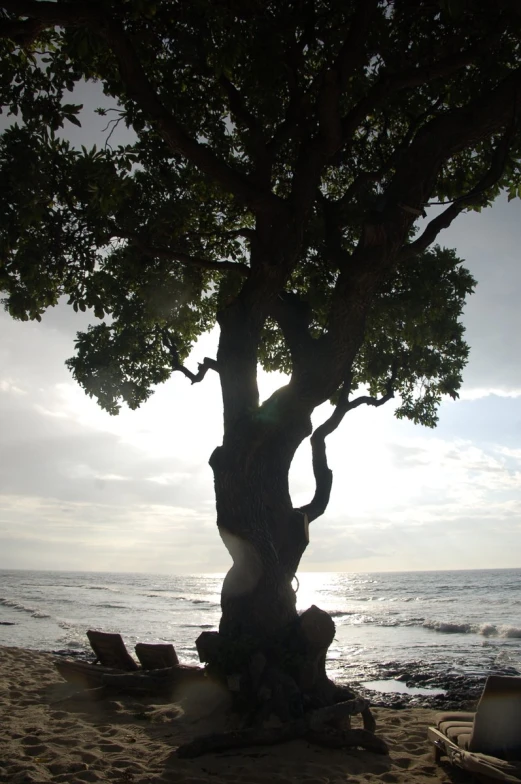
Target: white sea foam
{"points": [[484, 629], [16, 605]]}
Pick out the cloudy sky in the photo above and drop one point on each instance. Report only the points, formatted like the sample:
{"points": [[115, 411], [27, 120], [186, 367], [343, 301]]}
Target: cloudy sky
{"points": [[81, 490]]}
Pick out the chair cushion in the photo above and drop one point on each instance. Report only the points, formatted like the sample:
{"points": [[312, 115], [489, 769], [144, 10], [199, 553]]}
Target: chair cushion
{"points": [[458, 732], [458, 716]]}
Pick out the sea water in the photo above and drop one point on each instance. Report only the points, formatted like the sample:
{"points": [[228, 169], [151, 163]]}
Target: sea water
{"points": [[466, 622]]}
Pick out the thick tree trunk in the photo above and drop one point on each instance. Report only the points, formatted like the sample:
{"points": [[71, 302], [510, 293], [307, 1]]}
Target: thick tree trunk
{"points": [[264, 535]]}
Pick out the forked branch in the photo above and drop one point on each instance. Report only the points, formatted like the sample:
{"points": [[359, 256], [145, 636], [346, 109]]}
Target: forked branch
{"points": [[489, 179], [322, 472], [203, 367]]}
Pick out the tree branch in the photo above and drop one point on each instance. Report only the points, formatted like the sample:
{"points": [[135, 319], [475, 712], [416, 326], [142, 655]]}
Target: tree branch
{"points": [[352, 50], [203, 367], [365, 178], [245, 232], [414, 76], [140, 89], [443, 221], [293, 316], [185, 258], [241, 112], [52, 13], [334, 80], [22, 33], [322, 472], [322, 726], [335, 131]]}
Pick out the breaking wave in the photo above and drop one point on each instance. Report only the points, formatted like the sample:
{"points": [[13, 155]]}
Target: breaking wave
{"points": [[14, 605], [340, 613], [484, 629]]}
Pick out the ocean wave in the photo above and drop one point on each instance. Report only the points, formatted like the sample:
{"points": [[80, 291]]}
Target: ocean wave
{"points": [[178, 598], [68, 643], [511, 632], [484, 629], [448, 627], [340, 613], [100, 588], [15, 605], [107, 606], [198, 625]]}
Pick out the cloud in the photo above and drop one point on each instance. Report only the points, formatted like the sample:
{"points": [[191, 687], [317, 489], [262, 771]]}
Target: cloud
{"points": [[96, 535]]}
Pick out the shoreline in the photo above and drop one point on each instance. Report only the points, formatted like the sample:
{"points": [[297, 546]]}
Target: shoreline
{"points": [[450, 691], [52, 735]]}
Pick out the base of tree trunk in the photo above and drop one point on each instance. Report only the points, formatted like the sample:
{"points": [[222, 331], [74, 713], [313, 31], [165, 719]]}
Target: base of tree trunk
{"points": [[324, 727], [283, 692]]}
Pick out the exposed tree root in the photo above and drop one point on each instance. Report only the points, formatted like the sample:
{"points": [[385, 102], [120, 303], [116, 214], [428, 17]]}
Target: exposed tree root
{"points": [[323, 726]]}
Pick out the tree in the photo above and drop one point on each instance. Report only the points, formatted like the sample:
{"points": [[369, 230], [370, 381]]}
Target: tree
{"points": [[284, 159]]}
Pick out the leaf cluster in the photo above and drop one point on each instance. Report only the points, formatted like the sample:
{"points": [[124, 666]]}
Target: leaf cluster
{"points": [[136, 232]]}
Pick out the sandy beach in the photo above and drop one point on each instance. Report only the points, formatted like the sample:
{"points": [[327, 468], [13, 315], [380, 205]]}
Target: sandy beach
{"points": [[47, 735]]}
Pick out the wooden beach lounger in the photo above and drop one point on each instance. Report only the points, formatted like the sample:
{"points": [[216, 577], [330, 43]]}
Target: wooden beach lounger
{"points": [[486, 743], [112, 658], [156, 656], [110, 651]]}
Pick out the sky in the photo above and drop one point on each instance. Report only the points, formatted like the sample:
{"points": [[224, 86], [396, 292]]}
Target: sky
{"points": [[81, 490]]}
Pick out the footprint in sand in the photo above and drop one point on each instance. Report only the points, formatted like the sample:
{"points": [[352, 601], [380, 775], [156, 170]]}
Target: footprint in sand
{"points": [[111, 747], [90, 758], [89, 775], [31, 740], [36, 751], [109, 732], [402, 762], [413, 747], [65, 741]]}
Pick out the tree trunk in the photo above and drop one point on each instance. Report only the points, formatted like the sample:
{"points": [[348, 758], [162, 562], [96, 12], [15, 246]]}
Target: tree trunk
{"points": [[264, 535], [272, 663]]}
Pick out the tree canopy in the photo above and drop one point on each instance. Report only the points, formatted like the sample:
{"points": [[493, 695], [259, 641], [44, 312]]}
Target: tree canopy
{"points": [[284, 161]]}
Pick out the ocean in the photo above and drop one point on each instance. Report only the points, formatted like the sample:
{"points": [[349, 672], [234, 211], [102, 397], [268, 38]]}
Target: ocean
{"points": [[390, 627]]}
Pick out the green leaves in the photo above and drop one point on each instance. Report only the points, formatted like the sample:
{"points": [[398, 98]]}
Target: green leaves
{"points": [[70, 110], [415, 335], [119, 362], [106, 226]]}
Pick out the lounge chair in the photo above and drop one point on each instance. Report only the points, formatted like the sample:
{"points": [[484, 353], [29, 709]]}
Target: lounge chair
{"points": [[156, 656], [487, 743], [110, 651]]}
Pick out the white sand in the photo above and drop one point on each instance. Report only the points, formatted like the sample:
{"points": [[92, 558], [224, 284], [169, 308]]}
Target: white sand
{"points": [[44, 738]]}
